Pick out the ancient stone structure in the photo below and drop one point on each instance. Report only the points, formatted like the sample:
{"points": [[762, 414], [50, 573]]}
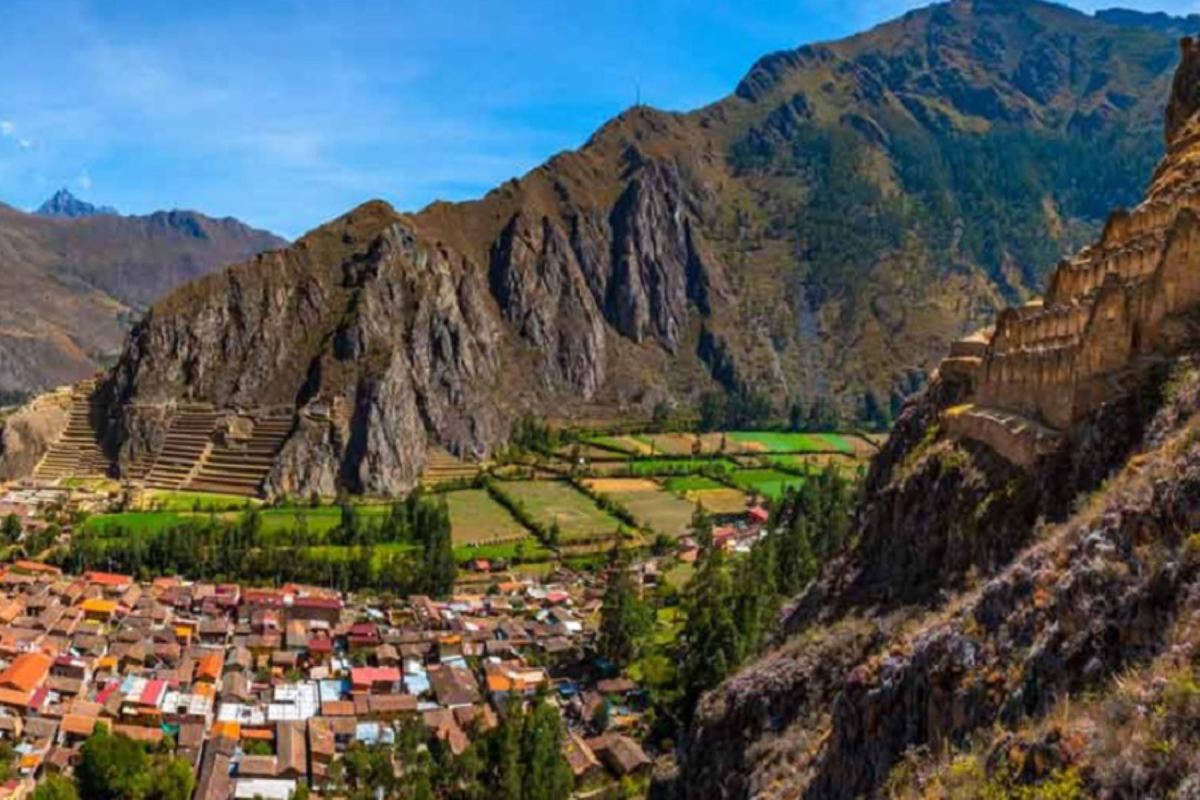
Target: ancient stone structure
{"points": [[1108, 313]]}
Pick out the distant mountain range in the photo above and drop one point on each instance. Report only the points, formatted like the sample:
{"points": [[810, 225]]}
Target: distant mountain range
{"points": [[819, 236], [74, 277], [64, 204]]}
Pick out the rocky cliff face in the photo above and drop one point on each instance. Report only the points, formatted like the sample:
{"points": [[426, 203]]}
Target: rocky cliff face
{"points": [[1017, 615], [789, 241]]}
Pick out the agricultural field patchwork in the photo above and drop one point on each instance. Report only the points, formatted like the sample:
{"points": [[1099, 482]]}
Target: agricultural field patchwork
{"points": [[134, 522], [676, 466], [691, 483], [276, 521], [649, 502], [714, 497], [476, 518], [550, 502], [631, 445], [194, 501], [671, 444], [785, 442], [770, 483]]}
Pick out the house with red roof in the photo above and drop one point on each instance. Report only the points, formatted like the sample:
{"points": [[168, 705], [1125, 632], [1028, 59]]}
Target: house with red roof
{"points": [[375, 680]]}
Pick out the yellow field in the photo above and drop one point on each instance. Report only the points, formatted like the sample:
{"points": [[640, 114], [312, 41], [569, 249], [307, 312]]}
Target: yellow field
{"points": [[610, 485], [718, 501]]}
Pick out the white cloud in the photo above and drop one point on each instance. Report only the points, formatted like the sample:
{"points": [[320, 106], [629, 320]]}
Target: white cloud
{"points": [[25, 144], [7, 128], [84, 181]]}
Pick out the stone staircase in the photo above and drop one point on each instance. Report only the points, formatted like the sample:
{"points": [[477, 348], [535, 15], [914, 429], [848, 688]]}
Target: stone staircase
{"points": [[188, 440], [239, 467], [441, 466], [77, 453]]}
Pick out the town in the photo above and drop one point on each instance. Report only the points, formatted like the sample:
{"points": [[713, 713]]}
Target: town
{"points": [[257, 688]]}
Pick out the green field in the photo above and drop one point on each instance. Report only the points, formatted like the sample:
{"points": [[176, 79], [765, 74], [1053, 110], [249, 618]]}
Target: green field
{"points": [[379, 552], [280, 520], [475, 518], [784, 442], [675, 466], [548, 502], [691, 483], [196, 501], [524, 551], [768, 482], [135, 521], [650, 504], [671, 444]]}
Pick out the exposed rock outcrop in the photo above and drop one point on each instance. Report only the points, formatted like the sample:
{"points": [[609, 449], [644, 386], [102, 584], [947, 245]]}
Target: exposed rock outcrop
{"points": [[777, 243], [1010, 597], [30, 431]]}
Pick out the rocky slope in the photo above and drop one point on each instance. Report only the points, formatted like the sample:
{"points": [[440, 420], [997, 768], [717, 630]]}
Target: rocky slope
{"points": [[821, 233], [1017, 617], [74, 276]]}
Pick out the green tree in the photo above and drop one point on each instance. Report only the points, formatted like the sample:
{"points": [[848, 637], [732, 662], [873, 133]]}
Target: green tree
{"points": [[112, 767], [710, 642], [506, 755], [173, 780], [12, 528], [440, 568], [624, 618], [547, 774], [55, 787]]}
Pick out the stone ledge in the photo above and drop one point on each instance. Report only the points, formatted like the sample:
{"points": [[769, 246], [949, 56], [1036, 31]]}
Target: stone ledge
{"points": [[1017, 438]]}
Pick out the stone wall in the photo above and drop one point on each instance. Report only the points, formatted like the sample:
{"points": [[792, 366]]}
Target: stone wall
{"points": [[1109, 309]]}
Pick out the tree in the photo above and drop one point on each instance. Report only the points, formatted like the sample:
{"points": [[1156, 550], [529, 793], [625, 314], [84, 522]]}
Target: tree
{"points": [[624, 619], [440, 568], [55, 787], [756, 601], [506, 755], [12, 528], [702, 527], [547, 774], [711, 410], [112, 767], [711, 646], [796, 563], [173, 780]]}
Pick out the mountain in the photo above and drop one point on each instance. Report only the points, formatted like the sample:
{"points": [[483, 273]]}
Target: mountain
{"points": [[64, 204], [1017, 616], [1159, 21], [71, 285], [819, 236]]}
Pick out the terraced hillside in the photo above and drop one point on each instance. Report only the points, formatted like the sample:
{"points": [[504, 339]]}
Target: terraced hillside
{"points": [[1016, 614]]}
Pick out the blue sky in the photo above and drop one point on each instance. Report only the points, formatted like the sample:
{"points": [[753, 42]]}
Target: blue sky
{"points": [[286, 114]]}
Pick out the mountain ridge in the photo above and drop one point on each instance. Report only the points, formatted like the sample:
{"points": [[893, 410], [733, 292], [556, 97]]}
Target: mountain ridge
{"points": [[731, 249], [64, 204], [73, 284]]}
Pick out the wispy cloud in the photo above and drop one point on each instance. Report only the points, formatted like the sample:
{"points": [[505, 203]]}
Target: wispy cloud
{"points": [[8, 130]]}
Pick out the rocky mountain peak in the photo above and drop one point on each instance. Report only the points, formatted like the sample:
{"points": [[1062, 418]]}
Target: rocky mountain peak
{"points": [[66, 205], [1185, 94]]}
